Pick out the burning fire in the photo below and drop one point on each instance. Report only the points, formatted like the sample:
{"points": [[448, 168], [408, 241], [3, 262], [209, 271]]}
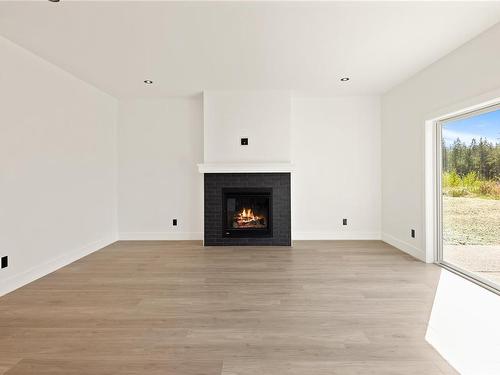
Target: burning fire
{"points": [[247, 219]]}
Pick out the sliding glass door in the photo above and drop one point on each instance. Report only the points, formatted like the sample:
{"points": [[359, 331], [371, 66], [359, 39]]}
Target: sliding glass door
{"points": [[469, 195]]}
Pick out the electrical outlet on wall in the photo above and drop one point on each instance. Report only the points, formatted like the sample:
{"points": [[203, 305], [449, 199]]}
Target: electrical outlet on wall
{"points": [[244, 141], [174, 222], [344, 221], [412, 233], [5, 262]]}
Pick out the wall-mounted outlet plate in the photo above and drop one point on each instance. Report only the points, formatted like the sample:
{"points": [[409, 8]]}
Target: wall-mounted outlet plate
{"points": [[344, 221], [244, 141], [174, 222], [413, 233], [5, 262]]}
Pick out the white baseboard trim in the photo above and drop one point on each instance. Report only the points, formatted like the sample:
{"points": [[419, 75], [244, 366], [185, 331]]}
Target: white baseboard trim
{"points": [[198, 236], [311, 236], [404, 246], [16, 281], [160, 236]]}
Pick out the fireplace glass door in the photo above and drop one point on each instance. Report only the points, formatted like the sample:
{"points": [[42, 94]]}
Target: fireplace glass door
{"points": [[247, 212]]}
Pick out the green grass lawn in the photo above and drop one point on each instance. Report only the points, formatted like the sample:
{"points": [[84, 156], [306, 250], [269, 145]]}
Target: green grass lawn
{"points": [[471, 221]]}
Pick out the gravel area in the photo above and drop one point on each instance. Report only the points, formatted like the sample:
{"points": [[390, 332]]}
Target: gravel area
{"points": [[471, 235], [479, 259], [471, 221]]}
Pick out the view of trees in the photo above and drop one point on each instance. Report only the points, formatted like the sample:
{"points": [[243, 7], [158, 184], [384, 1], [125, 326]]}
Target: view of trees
{"points": [[472, 169], [481, 157]]}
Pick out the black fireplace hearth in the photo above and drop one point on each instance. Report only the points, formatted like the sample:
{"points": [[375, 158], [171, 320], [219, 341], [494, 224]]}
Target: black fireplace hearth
{"points": [[247, 209]]}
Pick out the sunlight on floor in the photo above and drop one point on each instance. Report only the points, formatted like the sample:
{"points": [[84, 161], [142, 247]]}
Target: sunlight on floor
{"points": [[464, 325]]}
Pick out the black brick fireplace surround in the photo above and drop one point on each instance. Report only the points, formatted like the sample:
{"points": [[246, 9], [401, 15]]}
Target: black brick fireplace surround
{"points": [[281, 226]]}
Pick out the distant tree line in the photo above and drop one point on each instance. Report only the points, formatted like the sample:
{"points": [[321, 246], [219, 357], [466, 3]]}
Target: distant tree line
{"points": [[480, 157]]}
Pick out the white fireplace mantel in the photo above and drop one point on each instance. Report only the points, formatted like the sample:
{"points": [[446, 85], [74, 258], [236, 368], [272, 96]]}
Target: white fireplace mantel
{"points": [[245, 168]]}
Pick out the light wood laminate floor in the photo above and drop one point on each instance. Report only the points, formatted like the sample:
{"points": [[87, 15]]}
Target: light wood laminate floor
{"points": [[321, 307]]}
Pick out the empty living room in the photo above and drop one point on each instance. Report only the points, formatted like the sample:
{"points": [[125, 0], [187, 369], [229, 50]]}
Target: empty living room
{"points": [[249, 187]]}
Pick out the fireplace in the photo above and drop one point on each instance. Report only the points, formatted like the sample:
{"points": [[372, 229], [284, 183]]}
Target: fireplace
{"points": [[247, 209], [247, 212]]}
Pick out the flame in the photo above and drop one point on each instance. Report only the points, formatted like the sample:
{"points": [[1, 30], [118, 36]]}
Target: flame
{"points": [[247, 218]]}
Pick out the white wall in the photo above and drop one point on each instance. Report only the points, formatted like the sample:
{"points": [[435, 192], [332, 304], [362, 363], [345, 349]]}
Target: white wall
{"points": [[336, 155], [468, 72], [261, 116], [57, 167], [160, 141], [472, 71]]}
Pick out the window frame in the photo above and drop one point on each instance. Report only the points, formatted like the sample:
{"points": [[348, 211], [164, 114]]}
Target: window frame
{"points": [[476, 279]]}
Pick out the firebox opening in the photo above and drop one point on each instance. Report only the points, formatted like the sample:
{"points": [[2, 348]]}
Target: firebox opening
{"points": [[247, 212]]}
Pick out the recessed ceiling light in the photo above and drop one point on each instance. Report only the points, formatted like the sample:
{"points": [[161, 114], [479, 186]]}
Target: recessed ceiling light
{"points": [[345, 79], [148, 82]]}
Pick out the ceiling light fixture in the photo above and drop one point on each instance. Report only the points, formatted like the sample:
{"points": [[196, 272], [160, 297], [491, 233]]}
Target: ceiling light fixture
{"points": [[148, 82], [345, 79]]}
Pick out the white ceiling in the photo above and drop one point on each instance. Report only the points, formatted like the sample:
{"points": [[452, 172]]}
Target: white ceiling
{"points": [[186, 47]]}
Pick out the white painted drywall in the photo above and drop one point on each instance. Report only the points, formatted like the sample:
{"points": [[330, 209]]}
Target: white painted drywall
{"points": [[57, 167], [245, 45], [469, 72], [261, 116], [336, 157], [160, 141]]}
